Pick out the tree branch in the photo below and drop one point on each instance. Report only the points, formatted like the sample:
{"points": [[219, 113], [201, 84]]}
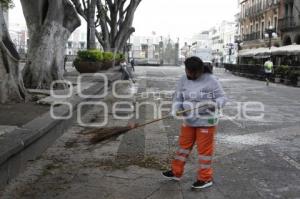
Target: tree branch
{"points": [[115, 19], [126, 37], [109, 3], [71, 20], [100, 38], [84, 5], [121, 12], [102, 16], [79, 9], [127, 23]]}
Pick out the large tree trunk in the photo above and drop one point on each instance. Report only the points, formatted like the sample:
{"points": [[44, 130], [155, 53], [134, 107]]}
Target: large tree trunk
{"points": [[11, 84], [50, 23], [91, 41]]}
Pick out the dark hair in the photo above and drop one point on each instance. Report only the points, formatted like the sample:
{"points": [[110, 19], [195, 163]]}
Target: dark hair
{"points": [[195, 64]]}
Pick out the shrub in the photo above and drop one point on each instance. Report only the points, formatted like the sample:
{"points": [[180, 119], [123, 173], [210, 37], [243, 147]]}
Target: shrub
{"points": [[108, 56], [90, 55], [122, 57], [293, 76], [119, 57], [281, 71], [97, 55]]}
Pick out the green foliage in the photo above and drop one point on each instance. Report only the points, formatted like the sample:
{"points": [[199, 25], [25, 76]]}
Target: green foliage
{"points": [[97, 55], [108, 56], [293, 76], [122, 57], [7, 3], [288, 73], [90, 55], [251, 62], [119, 57], [282, 71]]}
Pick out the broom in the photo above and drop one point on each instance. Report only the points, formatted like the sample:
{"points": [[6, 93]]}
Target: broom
{"points": [[101, 134]]}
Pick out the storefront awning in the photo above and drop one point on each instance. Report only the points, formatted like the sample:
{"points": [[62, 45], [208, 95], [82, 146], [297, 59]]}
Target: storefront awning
{"points": [[287, 50], [257, 53]]}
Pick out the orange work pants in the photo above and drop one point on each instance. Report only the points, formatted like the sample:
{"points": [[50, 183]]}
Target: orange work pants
{"points": [[204, 138]]}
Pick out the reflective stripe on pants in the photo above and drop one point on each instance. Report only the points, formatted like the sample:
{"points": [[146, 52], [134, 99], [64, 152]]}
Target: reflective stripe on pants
{"points": [[204, 138]]}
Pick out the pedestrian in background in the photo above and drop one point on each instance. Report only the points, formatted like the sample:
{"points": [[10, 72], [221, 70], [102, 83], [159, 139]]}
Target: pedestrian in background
{"points": [[132, 62], [197, 86], [126, 74], [268, 67]]}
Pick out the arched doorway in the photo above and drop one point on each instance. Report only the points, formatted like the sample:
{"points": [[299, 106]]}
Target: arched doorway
{"points": [[287, 40], [297, 39]]}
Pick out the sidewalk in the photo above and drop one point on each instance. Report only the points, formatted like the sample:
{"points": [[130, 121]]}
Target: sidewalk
{"points": [[259, 159], [26, 130]]}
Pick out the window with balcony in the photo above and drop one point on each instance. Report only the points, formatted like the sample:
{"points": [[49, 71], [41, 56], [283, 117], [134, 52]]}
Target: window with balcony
{"points": [[286, 13], [69, 44], [82, 45]]}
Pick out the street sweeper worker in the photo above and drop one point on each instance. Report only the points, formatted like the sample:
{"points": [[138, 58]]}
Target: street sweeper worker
{"points": [[197, 88]]}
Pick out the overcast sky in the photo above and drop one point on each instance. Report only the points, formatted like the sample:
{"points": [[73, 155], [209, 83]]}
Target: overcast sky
{"points": [[182, 17], [177, 18]]}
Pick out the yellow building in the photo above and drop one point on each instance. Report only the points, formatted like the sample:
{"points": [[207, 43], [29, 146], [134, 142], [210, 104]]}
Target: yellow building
{"points": [[255, 17]]}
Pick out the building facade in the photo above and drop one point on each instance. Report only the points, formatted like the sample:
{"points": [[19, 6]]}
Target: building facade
{"points": [[19, 36], [222, 38], [201, 40], [255, 17], [289, 22], [154, 50], [76, 42]]}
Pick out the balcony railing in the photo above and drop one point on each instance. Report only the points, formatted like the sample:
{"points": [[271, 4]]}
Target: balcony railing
{"points": [[259, 8], [251, 36], [287, 23]]}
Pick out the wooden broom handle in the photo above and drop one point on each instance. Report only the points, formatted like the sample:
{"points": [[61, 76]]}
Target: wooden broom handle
{"points": [[167, 116]]}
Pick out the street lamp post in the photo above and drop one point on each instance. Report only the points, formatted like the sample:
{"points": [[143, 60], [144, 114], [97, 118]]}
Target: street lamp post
{"points": [[230, 48], [238, 41], [270, 33], [161, 51]]}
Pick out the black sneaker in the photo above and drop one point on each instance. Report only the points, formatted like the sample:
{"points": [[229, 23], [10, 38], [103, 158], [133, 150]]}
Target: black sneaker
{"points": [[169, 175], [201, 184]]}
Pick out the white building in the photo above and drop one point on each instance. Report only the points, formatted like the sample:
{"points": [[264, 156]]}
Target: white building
{"points": [[145, 47], [222, 37], [76, 42], [202, 40], [19, 36]]}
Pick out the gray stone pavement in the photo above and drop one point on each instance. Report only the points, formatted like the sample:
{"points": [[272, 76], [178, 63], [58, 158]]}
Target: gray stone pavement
{"points": [[258, 158]]}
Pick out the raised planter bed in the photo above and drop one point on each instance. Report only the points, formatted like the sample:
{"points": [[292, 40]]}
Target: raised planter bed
{"points": [[88, 67], [92, 61]]}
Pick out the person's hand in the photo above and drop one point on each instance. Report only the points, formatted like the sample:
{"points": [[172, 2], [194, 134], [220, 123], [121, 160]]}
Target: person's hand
{"points": [[179, 113], [132, 125], [176, 113]]}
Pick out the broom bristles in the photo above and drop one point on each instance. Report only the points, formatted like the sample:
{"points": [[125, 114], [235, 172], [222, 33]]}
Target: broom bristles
{"points": [[102, 134]]}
